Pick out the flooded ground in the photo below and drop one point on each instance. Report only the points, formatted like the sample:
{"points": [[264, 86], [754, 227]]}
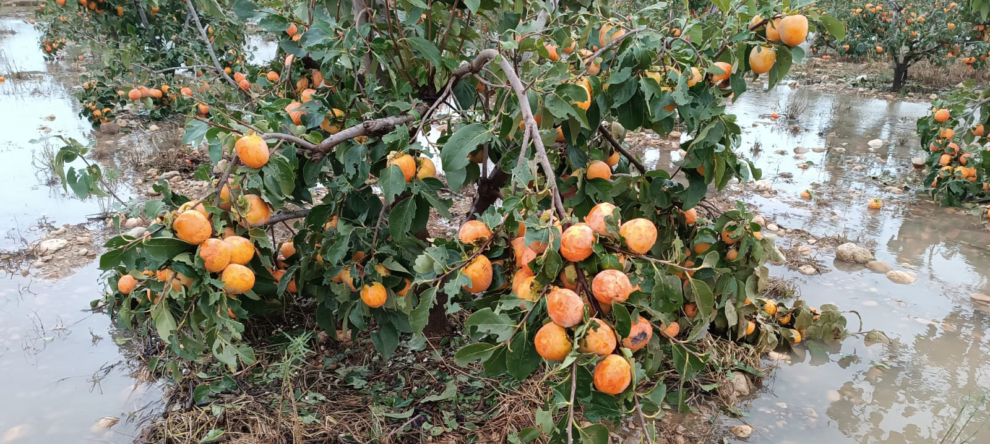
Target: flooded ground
{"points": [[911, 390], [63, 366]]}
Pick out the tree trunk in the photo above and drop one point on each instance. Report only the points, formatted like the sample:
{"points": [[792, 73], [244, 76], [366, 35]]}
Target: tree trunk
{"points": [[900, 75]]}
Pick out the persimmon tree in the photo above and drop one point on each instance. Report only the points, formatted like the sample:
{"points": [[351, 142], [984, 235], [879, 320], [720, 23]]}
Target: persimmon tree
{"points": [[576, 257], [935, 31], [953, 137]]}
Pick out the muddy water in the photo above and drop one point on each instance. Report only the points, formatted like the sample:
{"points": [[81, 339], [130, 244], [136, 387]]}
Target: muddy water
{"points": [[63, 368], [911, 390]]}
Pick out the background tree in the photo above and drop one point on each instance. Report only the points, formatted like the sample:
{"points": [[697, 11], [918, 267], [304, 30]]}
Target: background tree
{"points": [[939, 32], [591, 263]]}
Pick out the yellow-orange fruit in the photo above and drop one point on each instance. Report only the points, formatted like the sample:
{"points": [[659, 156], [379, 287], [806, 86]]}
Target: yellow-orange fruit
{"points": [[586, 84], [518, 279], [565, 307], [730, 235], [215, 254], [237, 279], [600, 341], [797, 336], [426, 169], [552, 342], [691, 216], [612, 375], [770, 308], [405, 288], [726, 72], [295, 113], [252, 151], [191, 226], [374, 295], [258, 211], [332, 126], [611, 286], [942, 115], [671, 330], [288, 249], [773, 30], [750, 328], [307, 95], [241, 249], [203, 108], [272, 76], [180, 280], [762, 58], [576, 242], [640, 235], [406, 163], [793, 30], [238, 76], [126, 284], [691, 310], [480, 272], [599, 170], [474, 232], [134, 94], [612, 160], [596, 217], [291, 287], [639, 335], [292, 30]]}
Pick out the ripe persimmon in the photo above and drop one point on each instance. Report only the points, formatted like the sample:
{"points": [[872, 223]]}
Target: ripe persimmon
{"points": [[425, 168], [596, 217], [552, 343], [126, 284], [480, 272], [640, 235], [295, 113], [599, 170], [191, 226], [258, 211], [405, 162], [568, 277], [942, 115], [793, 30], [576, 242], [565, 307], [474, 232], [611, 286], [237, 279], [374, 295], [252, 151], [762, 58], [215, 254], [612, 375], [639, 335], [598, 339]]}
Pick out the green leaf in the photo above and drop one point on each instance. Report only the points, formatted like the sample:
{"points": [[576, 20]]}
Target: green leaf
{"points": [[623, 322], [473, 5], [703, 297], [400, 219], [454, 154], [486, 321], [449, 391], [594, 434], [420, 315], [212, 435], [164, 322], [426, 49], [522, 358], [474, 352], [386, 339], [195, 132], [392, 182], [834, 27]]}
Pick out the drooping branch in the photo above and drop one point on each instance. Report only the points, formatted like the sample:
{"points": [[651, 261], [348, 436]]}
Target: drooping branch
{"points": [[384, 125], [618, 147], [298, 214], [144, 18], [533, 130], [209, 45], [223, 178]]}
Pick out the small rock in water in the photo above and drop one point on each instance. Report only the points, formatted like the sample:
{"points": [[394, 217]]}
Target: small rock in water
{"points": [[763, 185], [151, 192], [850, 252], [742, 431], [49, 246], [170, 174], [740, 385], [84, 239], [83, 252], [105, 423], [772, 227], [818, 149], [759, 220], [786, 175], [781, 405], [812, 241], [980, 297], [833, 396], [839, 150], [804, 250], [918, 162], [58, 232], [807, 269], [800, 150], [901, 277], [132, 222], [774, 356], [799, 157], [894, 190], [878, 266]]}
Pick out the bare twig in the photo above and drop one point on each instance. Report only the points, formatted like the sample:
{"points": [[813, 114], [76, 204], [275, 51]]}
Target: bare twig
{"points": [[223, 178], [570, 406], [209, 47], [618, 147], [288, 216], [533, 130]]}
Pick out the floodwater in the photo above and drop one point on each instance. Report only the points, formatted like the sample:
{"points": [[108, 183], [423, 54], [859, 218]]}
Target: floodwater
{"points": [[63, 367], [912, 390]]}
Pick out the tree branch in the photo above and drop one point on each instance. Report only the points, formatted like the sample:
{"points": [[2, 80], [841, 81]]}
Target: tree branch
{"points": [[570, 405], [288, 216], [223, 178], [533, 130], [602, 50], [144, 18], [209, 47], [618, 147]]}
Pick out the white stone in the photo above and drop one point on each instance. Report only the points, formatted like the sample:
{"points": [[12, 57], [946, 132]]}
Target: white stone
{"points": [[818, 149], [833, 396], [58, 232], [980, 297], [151, 192], [170, 174], [84, 239], [807, 269], [800, 150], [759, 220], [132, 222], [878, 266], [772, 227], [49, 246], [763, 185], [901, 277], [781, 405], [83, 252], [850, 252], [918, 162], [675, 135], [839, 150], [153, 128], [740, 385], [105, 422], [742, 431], [812, 241], [804, 250]]}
